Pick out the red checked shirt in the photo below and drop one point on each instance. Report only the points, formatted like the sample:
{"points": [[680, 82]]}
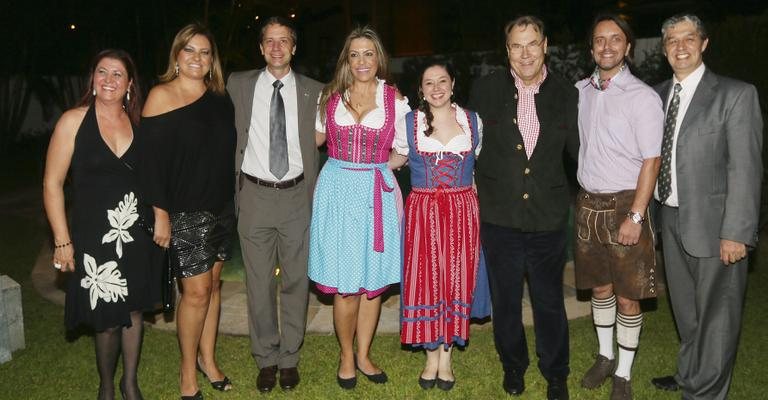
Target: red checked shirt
{"points": [[527, 120]]}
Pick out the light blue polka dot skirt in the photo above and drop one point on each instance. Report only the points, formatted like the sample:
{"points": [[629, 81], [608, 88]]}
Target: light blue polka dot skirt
{"points": [[343, 243]]}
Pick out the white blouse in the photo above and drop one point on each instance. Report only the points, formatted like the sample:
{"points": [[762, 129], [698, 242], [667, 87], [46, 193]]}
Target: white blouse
{"points": [[458, 144], [374, 119]]}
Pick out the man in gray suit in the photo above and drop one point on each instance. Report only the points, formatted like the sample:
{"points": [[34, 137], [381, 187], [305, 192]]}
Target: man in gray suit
{"points": [[276, 166], [709, 186]]}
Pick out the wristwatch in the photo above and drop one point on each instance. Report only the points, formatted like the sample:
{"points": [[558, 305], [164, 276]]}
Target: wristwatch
{"points": [[636, 217]]}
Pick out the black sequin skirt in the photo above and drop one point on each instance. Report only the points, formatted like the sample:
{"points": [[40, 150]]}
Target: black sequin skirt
{"points": [[199, 239]]}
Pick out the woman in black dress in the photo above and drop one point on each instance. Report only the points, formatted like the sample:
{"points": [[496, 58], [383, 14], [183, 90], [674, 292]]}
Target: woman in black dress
{"points": [[115, 265], [187, 173]]}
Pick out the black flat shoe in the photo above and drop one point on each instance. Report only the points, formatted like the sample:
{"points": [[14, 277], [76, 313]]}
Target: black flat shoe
{"points": [[346, 383], [666, 383], [223, 385], [197, 396], [445, 385], [381, 377], [427, 384]]}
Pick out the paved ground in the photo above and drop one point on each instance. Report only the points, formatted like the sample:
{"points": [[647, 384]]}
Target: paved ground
{"points": [[234, 320]]}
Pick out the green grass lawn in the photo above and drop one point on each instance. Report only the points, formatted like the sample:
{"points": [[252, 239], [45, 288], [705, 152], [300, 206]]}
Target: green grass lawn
{"points": [[52, 367]]}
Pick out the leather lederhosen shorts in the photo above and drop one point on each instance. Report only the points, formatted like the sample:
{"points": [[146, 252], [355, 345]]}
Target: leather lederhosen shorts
{"points": [[600, 259]]}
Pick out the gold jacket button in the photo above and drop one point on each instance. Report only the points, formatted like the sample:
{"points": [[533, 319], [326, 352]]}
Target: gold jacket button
{"points": [[527, 171], [525, 196], [519, 147]]}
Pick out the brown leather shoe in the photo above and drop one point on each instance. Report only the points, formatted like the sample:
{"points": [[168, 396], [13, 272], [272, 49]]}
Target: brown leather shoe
{"points": [[622, 389], [267, 379], [289, 378], [598, 373]]}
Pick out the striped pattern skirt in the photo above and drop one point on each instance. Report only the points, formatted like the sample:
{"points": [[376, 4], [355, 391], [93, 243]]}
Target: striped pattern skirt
{"points": [[441, 254]]}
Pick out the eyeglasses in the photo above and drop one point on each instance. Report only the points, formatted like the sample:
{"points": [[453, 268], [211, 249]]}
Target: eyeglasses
{"points": [[533, 47]]}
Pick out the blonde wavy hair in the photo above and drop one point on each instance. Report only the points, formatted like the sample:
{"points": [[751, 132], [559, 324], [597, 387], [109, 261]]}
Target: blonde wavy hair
{"points": [[215, 79], [342, 78]]}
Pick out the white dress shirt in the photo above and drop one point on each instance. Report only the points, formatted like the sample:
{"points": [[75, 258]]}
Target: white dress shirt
{"points": [[689, 85], [256, 158]]}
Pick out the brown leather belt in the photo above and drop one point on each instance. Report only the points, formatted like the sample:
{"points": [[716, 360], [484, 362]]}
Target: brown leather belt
{"points": [[275, 185]]}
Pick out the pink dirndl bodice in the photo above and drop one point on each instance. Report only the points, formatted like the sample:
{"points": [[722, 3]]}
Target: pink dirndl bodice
{"points": [[358, 143]]}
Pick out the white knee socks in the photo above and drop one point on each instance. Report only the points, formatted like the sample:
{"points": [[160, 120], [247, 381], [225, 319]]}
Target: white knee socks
{"points": [[627, 337], [604, 317]]}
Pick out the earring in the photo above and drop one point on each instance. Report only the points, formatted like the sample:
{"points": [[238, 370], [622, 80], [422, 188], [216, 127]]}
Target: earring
{"points": [[94, 92], [210, 74], [128, 95], [176, 69]]}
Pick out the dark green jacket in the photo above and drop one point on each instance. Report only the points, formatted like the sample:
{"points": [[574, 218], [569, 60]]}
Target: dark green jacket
{"points": [[530, 195]]}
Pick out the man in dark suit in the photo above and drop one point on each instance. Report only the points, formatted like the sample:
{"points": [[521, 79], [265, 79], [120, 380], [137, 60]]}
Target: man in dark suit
{"points": [[276, 165], [529, 118], [709, 186]]}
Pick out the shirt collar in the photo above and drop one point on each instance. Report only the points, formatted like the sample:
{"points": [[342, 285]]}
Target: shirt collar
{"points": [[692, 80], [535, 87], [287, 80], [603, 85]]}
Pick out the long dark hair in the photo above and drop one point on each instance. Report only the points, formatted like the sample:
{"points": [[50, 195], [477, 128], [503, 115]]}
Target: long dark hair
{"points": [[623, 25], [423, 105], [133, 105]]}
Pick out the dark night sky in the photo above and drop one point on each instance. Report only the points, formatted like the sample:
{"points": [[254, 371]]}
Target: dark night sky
{"points": [[42, 41]]}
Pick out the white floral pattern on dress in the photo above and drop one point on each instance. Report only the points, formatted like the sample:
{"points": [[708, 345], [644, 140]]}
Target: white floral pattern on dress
{"points": [[120, 219], [103, 281]]}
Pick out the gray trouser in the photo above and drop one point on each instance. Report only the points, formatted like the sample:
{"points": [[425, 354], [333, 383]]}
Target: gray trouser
{"points": [[707, 298], [274, 231]]}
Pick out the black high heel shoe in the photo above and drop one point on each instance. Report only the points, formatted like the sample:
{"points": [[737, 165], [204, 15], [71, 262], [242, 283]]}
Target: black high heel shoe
{"points": [[381, 377], [223, 385], [197, 396]]}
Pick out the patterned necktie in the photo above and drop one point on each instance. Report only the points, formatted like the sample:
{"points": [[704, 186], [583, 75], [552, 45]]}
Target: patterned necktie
{"points": [[665, 175], [278, 143]]}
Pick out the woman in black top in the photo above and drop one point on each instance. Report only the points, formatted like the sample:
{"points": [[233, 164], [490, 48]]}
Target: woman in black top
{"points": [[189, 146], [115, 266]]}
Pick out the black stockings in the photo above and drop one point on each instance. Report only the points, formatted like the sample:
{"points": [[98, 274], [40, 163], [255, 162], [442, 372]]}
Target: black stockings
{"points": [[108, 346], [132, 339]]}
